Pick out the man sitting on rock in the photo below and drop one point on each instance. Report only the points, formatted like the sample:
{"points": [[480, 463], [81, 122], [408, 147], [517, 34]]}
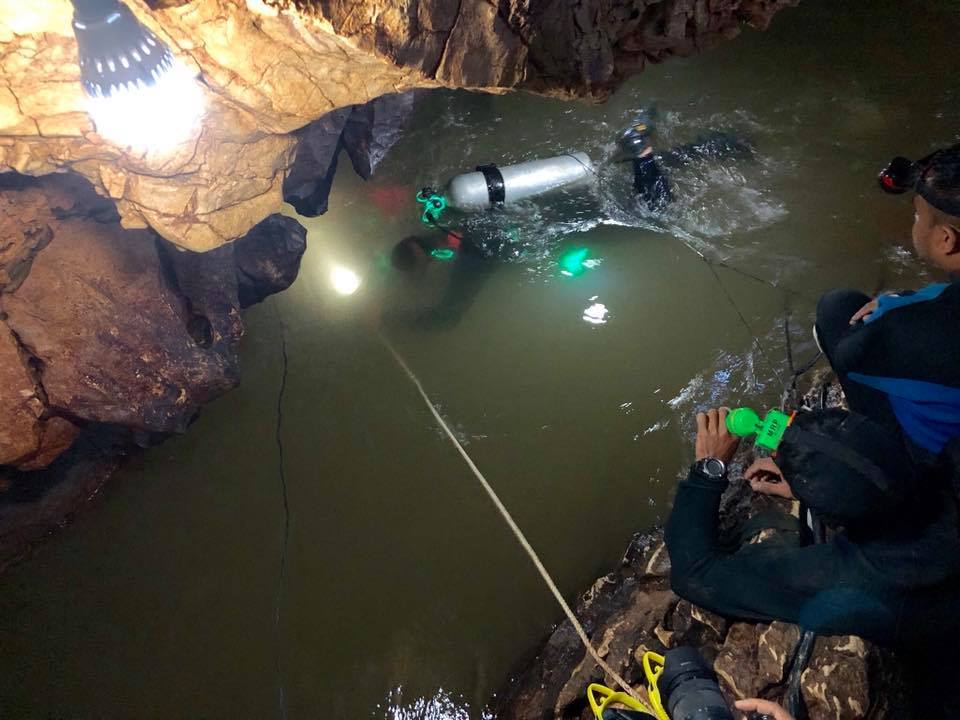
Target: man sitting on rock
{"points": [[898, 356], [891, 575]]}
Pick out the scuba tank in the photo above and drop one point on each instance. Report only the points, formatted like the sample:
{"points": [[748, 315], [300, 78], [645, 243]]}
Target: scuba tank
{"points": [[490, 185]]}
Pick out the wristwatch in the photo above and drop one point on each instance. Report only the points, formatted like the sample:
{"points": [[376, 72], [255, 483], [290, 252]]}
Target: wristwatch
{"points": [[711, 467]]}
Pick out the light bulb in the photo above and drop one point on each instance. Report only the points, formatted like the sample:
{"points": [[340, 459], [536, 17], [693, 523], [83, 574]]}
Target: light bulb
{"points": [[152, 117], [344, 280], [138, 94]]}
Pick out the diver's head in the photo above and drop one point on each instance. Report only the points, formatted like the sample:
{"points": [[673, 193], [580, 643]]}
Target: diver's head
{"points": [[409, 254], [845, 467], [936, 222]]}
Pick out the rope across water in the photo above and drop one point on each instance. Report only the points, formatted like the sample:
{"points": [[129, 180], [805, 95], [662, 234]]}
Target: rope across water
{"points": [[511, 523]]}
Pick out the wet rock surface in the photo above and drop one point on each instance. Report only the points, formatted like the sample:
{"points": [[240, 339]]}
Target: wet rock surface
{"points": [[365, 132], [272, 67], [632, 611], [267, 259], [109, 336], [107, 332]]}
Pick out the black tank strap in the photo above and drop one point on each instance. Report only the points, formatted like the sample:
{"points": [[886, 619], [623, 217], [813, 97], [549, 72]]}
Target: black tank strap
{"points": [[495, 189]]}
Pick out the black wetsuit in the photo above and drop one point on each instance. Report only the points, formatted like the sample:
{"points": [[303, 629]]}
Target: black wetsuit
{"points": [[902, 367], [650, 182], [863, 582], [894, 581]]}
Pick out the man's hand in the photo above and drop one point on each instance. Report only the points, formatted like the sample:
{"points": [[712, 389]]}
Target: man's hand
{"points": [[765, 477], [763, 707], [713, 439], [865, 312]]}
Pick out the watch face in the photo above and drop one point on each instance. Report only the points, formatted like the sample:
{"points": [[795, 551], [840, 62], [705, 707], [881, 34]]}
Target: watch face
{"points": [[714, 468]]}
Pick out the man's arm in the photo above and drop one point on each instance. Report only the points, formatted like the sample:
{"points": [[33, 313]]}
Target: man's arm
{"points": [[822, 587], [826, 588]]}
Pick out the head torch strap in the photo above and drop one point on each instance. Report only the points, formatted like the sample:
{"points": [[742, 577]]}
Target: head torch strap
{"points": [[949, 207]]}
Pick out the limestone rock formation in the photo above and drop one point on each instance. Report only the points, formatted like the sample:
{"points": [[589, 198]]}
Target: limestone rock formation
{"points": [[110, 326], [365, 132], [109, 338], [267, 258], [271, 67]]}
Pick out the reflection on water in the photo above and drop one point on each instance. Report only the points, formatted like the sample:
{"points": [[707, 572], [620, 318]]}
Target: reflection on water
{"points": [[596, 314], [405, 596], [442, 706]]}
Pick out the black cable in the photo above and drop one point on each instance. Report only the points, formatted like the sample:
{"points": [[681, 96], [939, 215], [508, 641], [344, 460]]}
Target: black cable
{"points": [[791, 395], [743, 320], [286, 513], [793, 700]]}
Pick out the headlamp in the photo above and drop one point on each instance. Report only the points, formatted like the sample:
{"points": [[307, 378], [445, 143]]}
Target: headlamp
{"points": [[900, 176], [932, 178]]}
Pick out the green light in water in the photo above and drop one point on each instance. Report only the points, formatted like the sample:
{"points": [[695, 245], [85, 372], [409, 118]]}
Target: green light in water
{"points": [[573, 262], [442, 253]]}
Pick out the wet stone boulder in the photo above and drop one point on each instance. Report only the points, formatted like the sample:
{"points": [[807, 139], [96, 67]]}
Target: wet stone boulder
{"points": [[365, 132], [109, 336], [105, 325], [108, 332], [267, 259]]}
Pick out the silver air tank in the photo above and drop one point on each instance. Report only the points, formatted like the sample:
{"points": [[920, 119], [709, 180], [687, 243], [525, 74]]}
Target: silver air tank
{"points": [[491, 185]]}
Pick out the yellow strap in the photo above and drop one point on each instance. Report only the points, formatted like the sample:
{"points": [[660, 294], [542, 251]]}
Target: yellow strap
{"points": [[652, 668], [610, 697]]}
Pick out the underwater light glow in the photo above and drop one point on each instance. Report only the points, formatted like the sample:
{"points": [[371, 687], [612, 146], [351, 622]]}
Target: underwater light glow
{"points": [[344, 280], [153, 117], [574, 262]]}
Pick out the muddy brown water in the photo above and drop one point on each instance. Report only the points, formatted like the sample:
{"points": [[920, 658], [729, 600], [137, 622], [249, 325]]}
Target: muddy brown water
{"points": [[404, 594]]}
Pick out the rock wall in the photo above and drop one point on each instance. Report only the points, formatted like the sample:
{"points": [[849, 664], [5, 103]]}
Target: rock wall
{"points": [[106, 330], [271, 67], [101, 325]]}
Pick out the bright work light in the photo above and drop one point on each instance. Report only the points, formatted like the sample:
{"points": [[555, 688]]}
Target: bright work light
{"points": [[139, 95], [344, 280]]}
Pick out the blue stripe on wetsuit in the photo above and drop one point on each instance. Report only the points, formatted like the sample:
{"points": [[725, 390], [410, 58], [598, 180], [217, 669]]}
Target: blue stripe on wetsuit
{"points": [[886, 303], [929, 413]]}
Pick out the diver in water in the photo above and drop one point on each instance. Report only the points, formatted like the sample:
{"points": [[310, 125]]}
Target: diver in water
{"points": [[470, 264], [472, 253], [650, 183]]}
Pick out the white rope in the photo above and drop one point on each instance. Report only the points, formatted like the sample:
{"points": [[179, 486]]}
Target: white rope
{"points": [[521, 538]]}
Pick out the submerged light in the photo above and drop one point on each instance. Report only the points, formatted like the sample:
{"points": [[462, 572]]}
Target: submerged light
{"points": [[138, 94], [574, 262], [344, 280]]}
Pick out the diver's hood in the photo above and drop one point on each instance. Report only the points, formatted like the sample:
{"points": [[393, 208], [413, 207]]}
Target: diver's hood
{"points": [[844, 466]]}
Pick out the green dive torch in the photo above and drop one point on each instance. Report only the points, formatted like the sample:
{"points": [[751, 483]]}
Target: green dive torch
{"points": [[744, 423]]}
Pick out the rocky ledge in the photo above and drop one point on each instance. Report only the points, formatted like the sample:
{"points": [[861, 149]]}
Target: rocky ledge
{"points": [[632, 610]]}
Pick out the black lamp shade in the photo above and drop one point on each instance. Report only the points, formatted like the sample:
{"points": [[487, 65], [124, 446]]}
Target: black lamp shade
{"points": [[115, 50]]}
